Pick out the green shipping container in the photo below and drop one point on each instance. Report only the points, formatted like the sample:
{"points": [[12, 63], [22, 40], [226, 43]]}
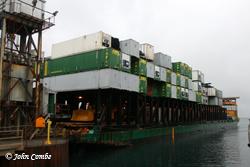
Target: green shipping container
{"points": [[94, 60], [168, 90], [163, 89], [198, 97], [179, 67], [178, 79], [183, 69], [157, 89], [138, 66], [186, 82], [143, 85], [169, 73], [178, 92]]}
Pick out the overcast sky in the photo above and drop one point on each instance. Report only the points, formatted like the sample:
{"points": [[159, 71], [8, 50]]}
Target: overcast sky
{"points": [[210, 35]]}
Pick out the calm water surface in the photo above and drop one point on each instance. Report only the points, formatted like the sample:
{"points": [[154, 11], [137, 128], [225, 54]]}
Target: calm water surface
{"points": [[228, 149]]}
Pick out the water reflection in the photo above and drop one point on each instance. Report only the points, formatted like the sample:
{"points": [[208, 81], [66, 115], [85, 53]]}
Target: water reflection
{"points": [[221, 149], [249, 134]]}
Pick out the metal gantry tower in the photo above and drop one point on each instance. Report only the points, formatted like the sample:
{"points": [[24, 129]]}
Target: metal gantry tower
{"points": [[22, 23]]}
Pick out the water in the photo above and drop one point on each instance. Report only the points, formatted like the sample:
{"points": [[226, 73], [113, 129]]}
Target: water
{"points": [[228, 149]]}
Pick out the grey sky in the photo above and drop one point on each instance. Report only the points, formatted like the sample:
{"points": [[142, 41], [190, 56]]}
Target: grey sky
{"points": [[210, 35]]}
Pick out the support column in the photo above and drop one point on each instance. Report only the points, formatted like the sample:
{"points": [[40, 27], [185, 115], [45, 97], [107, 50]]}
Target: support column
{"points": [[3, 38], [38, 66]]}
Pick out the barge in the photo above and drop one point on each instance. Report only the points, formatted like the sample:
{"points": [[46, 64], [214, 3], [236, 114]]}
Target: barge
{"points": [[104, 90]]}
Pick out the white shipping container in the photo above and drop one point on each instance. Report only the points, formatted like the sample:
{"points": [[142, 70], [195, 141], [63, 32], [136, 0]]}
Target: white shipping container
{"points": [[197, 76], [129, 82], [190, 84], [173, 92], [130, 47], [150, 70], [126, 61], [173, 78], [182, 81], [219, 93], [213, 101], [191, 95], [197, 86], [230, 107], [220, 102], [186, 93], [163, 74], [78, 81], [162, 60], [85, 43], [157, 71], [211, 91], [204, 100], [25, 7], [204, 91], [148, 50]]}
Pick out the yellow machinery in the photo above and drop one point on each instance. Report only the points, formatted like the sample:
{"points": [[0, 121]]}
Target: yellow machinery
{"points": [[83, 115]]}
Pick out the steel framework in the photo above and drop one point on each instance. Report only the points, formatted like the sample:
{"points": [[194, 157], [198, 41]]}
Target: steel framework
{"points": [[20, 64]]}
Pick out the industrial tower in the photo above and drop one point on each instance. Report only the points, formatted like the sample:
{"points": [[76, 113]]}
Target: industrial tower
{"points": [[22, 23]]}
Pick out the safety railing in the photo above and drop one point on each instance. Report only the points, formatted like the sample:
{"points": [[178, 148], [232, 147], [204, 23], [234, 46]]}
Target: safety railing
{"points": [[11, 139]]}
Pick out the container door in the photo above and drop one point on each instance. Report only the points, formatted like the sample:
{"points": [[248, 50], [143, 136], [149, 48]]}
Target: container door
{"points": [[51, 105]]}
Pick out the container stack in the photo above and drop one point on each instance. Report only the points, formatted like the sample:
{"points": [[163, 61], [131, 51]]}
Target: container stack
{"points": [[230, 104], [100, 61], [163, 67], [198, 80], [215, 96], [183, 74]]}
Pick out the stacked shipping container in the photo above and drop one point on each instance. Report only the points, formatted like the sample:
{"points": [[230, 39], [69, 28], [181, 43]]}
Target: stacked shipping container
{"points": [[124, 65]]}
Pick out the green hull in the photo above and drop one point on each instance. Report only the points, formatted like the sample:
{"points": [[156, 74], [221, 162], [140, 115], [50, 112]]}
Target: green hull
{"points": [[128, 136]]}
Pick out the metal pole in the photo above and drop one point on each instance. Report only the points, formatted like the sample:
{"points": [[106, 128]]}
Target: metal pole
{"points": [[3, 36], [38, 66]]}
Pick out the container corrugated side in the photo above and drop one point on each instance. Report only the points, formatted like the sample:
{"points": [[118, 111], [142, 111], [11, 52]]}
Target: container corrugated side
{"points": [[94, 60], [163, 74], [178, 92], [148, 50], [191, 96], [173, 78], [197, 86], [143, 85], [150, 70], [138, 66], [178, 79], [81, 44], [162, 60], [168, 90], [213, 101], [78, 81], [211, 91], [168, 76], [130, 47], [173, 92], [182, 81], [190, 84], [129, 82]]}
